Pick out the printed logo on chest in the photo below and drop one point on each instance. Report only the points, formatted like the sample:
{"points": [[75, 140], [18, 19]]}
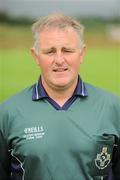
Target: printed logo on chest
{"points": [[36, 132]]}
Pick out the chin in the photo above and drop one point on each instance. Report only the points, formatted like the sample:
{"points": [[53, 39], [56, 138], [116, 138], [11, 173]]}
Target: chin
{"points": [[61, 84]]}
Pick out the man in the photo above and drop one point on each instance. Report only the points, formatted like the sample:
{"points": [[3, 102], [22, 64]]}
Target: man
{"points": [[60, 128]]}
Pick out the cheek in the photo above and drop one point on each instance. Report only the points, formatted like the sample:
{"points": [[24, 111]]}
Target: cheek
{"points": [[75, 64], [44, 69], [44, 65]]}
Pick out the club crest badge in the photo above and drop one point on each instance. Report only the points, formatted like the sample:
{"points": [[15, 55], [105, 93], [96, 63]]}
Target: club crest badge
{"points": [[103, 159]]}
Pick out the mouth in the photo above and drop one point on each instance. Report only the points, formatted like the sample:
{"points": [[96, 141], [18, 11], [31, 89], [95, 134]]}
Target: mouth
{"points": [[60, 69]]}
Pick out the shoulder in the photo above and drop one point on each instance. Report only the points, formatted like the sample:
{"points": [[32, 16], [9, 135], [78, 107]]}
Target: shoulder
{"points": [[21, 98], [101, 95], [93, 90]]}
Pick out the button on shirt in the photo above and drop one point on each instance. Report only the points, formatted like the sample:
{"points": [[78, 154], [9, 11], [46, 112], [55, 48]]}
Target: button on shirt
{"points": [[39, 93]]}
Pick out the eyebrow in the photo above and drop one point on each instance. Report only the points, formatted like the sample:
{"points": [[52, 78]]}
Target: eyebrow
{"points": [[48, 49]]}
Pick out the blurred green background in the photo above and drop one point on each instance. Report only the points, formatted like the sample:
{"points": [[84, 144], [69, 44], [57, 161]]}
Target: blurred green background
{"points": [[101, 66]]}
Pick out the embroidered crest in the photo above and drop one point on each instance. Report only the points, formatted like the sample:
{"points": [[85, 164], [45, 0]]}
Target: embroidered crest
{"points": [[103, 159]]}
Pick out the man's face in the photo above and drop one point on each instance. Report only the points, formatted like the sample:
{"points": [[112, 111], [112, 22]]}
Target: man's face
{"points": [[59, 57]]}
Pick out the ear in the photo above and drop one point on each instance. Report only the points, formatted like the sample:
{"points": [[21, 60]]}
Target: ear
{"points": [[35, 55], [82, 53]]}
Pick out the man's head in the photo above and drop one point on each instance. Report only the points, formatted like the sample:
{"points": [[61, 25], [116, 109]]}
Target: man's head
{"points": [[58, 50]]}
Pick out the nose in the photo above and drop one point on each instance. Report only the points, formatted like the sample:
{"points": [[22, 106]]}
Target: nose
{"points": [[59, 59]]}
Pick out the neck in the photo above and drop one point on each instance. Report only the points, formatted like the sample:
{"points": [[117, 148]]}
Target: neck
{"points": [[60, 95]]}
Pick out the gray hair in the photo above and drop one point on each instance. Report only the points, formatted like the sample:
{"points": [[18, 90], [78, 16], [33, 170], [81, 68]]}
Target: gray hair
{"points": [[57, 21]]}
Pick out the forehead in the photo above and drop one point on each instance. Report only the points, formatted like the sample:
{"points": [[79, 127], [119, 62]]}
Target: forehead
{"points": [[58, 37]]}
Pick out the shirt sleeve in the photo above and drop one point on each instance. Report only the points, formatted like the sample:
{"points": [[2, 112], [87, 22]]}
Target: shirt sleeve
{"points": [[116, 161], [116, 153], [4, 153]]}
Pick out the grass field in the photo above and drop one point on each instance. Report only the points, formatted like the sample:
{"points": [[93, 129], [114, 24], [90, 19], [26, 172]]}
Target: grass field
{"points": [[18, 70]]}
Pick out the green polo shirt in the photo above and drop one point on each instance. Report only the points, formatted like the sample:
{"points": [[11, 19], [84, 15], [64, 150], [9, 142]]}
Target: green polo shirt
{"points": [[38, 142]]}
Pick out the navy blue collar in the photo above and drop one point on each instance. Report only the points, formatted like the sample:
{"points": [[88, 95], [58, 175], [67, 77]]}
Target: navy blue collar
{"points": [[40, 93]]}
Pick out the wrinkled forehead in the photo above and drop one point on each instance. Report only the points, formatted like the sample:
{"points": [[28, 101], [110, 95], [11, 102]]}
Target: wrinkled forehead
{"points": [[58, 37], [67, 32], [58, 30]]}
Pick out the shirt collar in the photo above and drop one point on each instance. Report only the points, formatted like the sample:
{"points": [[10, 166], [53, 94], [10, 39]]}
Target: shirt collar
{"points": [[40, 93]]}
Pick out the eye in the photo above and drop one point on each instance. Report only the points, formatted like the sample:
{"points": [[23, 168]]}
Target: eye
{"points": [[68, 50], [49, 52]]}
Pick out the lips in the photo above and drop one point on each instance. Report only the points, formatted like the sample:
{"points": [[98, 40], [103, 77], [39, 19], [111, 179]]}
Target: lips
{"points": [[60, 69]]}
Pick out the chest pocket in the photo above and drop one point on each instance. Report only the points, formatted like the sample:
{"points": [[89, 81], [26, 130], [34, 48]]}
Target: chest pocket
{"points": [[102, 158]]}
